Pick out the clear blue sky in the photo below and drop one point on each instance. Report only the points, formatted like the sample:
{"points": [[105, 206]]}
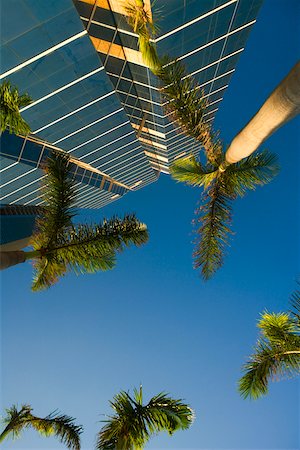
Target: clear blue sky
{"points": [[152, 320]]}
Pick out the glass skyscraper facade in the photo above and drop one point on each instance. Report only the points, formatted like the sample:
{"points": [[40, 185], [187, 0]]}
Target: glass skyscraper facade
{"points": [[93, 96]]}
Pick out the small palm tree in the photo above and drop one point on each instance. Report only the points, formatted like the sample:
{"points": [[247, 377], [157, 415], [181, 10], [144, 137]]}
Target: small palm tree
{"points": [[277, 351], [10, 103], [133, 423], [54, 424], [59, 245]]}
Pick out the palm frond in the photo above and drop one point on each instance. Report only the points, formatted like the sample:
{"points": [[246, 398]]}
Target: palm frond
{"points": [[186, 104], [213, 234], [141, 22], [183, 99], [125, 430], [133, 424], [61, 426], [277, 328], [15, 421], [295, 302], [59, 195], [268, 361], [10, 103], [277, 352], [190, 171], [88, 248], [164, 413], [256, 170], [46, 271]]}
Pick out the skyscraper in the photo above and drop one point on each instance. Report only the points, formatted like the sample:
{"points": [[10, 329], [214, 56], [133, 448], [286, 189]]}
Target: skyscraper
{"points": [[94, 97]]}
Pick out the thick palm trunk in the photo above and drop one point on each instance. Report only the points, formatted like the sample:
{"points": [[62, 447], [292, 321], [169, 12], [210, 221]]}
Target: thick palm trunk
{"points": [[282, 105], [9, 259]]}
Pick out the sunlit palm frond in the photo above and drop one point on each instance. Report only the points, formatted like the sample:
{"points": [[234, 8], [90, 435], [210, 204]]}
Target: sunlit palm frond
{"points": [[15, 421], [265, 364], [10, 103], [277, 328], [141, 22], [133, 424], [59, 196], [61, 426], [256, 170], [164, 413], [214, 217], [190, 171], [277, 353]]}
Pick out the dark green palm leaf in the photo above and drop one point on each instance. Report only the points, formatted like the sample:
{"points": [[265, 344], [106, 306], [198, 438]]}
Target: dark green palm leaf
{"points": [[133, 424], [87, 248], [59, 195], [10, 103], [213, 233], [256, 170], [221, 188], [186, 104]]}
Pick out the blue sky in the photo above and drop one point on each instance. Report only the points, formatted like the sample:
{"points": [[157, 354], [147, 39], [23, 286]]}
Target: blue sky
{"points": [[152, 320]]}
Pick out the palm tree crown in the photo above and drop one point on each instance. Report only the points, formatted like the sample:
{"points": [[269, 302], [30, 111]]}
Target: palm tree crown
{"points": [[186, 103], [61, 426], [277, 351], [60, 246], [213, 217], [10, 103], [133, 423]]}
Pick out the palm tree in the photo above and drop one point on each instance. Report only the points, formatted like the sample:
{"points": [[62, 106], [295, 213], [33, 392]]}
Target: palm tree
{"points": [[10, 102], [184, 100], [277, 351], [282, 105], [59, 245], [133, 423], [61, 426], [221, 187]]}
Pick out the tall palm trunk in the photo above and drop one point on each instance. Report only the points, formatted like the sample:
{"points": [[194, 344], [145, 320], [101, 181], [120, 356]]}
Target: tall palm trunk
{"points": [[9, 259], [282, 105]]}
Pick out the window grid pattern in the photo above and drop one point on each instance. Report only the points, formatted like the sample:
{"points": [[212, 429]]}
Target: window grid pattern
{"points": [[107, 111], [208, 37]]}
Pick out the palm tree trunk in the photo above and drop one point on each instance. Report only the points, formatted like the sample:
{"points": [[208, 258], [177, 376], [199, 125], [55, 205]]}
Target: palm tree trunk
{"points": [[9, 259], [282, 105], [5, 432]]}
